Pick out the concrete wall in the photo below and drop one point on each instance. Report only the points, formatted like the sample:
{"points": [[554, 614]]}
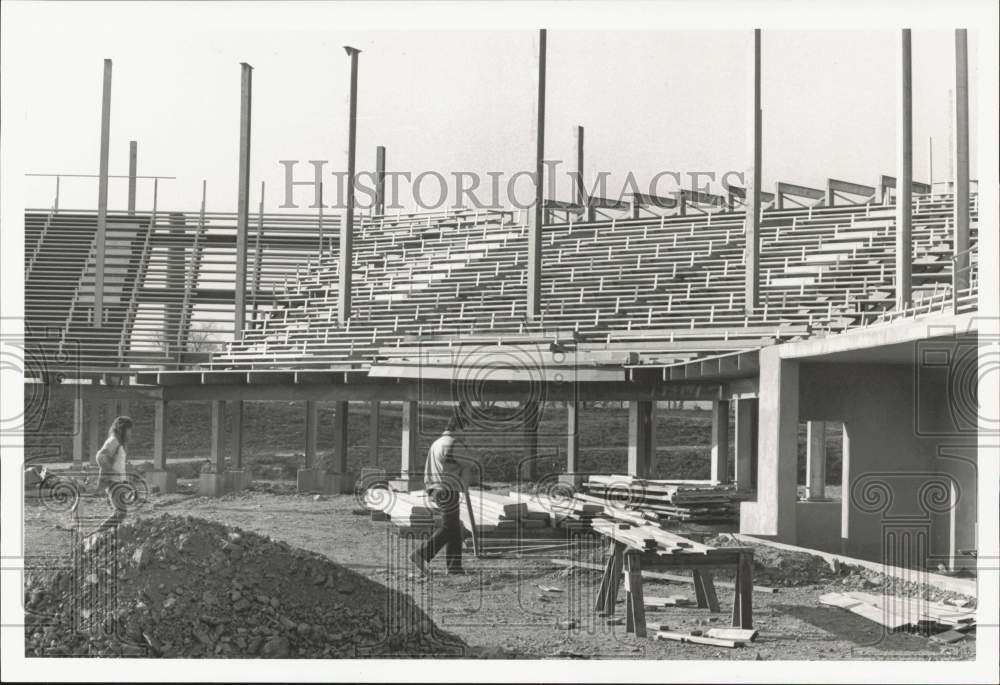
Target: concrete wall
{"points": [[910, 474], [817, 525]]}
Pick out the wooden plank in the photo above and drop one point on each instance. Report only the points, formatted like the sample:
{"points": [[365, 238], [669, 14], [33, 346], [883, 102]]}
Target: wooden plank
{"points": [[697, 639], [736, 634]]}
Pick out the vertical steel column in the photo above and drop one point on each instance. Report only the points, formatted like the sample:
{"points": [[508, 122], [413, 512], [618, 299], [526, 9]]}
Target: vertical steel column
{"points": [[930, 162], [535, 217], [374, 424], [102, 197], [237, 434], [580, 194], [243, 202], [720, 440], [572, 437], [218, 436], [815, 460], [752, 266], [160, 425], [133, 167], [380, 180], [961, 266], [347, 225], [312, 429], [410, 457], [904, 174]]}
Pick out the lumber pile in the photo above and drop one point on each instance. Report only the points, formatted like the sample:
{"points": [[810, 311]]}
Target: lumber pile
{"points": [[561, 512], [493, 511], [903, 613], [696, 501]]}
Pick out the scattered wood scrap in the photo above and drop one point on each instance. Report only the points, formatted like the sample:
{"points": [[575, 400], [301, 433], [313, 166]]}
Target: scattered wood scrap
{"points": [[699, 639], [682, 500], [898, 613]]}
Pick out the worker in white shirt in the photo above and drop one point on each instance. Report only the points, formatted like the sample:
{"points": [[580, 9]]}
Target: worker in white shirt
{"points": [[445, 478], [112, 460]]}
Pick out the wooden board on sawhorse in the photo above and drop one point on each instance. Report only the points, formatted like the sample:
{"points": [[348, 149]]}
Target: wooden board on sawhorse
{"points": [[622, 560]]}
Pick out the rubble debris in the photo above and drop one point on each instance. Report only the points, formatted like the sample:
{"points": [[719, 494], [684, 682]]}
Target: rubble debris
{"points": [[183, 587]]}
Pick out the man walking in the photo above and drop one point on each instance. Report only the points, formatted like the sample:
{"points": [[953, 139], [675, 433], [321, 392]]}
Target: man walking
{"points": [[444, 480]]}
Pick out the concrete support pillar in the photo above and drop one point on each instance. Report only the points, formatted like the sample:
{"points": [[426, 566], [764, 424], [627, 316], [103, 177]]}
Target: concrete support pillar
{"points": [[346, 251], [79, 430], [904, 175], [773, 512], [815, 460], [218, 435], [243, 201], [411, 461], [535, 216], [720, 441], [961, 156], [311, 430], [572, 437], [237, 433], [746, 443], [532, 414], [374, 421], [845, 490], [102, 197], [341, 414], [160, 426], [641, 435], [97, 431]]}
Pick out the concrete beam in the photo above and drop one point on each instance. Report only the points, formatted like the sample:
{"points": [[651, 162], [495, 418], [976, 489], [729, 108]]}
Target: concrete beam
{"points": [[346, 247], [536, 215], [641, 438], [773, 512], [218, 436], [102, 197], [753, 176], [746, 443], [312, 430], [904, 171], [834, 186], [720, 441], [160, 437], [242, 202], [961, 156], [815, 460]]}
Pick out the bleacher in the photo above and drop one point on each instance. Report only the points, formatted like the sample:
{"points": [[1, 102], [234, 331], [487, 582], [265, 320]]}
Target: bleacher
{"points": [[664, 285]]}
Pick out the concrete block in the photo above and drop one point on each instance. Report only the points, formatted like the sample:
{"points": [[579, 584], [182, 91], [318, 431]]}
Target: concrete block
{"points": [[318, 480], [407, 484], [161, 480], [216, 484]]}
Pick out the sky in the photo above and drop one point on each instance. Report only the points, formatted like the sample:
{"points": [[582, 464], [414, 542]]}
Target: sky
{"points": [[451, 100]]}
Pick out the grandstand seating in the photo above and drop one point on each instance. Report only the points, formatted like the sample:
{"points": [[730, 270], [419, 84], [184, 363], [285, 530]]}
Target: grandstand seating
{"points": [[669, 283]]}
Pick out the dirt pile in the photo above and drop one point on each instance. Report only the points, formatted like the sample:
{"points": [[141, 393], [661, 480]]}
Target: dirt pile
{"points": [[184, 587]]}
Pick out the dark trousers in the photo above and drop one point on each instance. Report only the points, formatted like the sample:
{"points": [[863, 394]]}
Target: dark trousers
{"points": [[449, 533]]}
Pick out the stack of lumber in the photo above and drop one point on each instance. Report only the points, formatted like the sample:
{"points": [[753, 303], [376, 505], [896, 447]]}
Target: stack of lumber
{"points": [[498, 512], [561, 512], [668, 499], [902, 613], [404, 509]]}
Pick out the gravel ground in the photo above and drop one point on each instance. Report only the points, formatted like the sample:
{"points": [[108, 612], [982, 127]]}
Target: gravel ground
{"points": [[498, 610]]}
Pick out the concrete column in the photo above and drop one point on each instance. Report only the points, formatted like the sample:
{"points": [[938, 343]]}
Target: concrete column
{"points": [[340, 417], [237, 433], [312, 429], [815, 460], [752, 255], [904, 175], [532, 414], [961, 155], [133, 166], [243, 200], [572, 437], [374, 421], [535, 216], [160, 426], [746, 443], [102, 197], [720, 440], [845, 490], [345, 248], [218, 435], [97, 431], [79, 431], [411, 461], [640, 438], [773, 512]]}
